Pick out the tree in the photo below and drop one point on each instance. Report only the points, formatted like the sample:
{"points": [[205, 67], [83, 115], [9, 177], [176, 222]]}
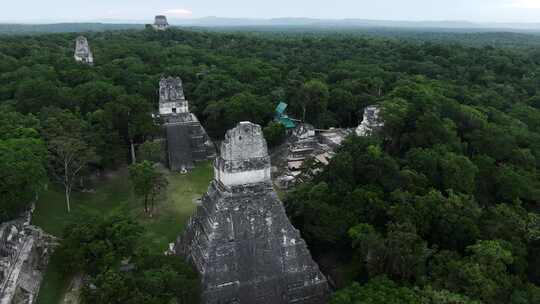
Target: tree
{"points": [[247, 106], [131, 116], [482, 275], [450, 222], [154, 279], [151, 151], [274, 133], [381, 290], [69, 153], [311, 209], [402, 254], [22, 174], [314, 97], [93, 243], [22, 162], [147, 182], [378, 291], [118, 270]]}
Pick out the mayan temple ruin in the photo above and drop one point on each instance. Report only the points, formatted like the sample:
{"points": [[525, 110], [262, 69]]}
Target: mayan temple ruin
{"points": [[82, 51], [240, 239], [160, 23], [24, 254], [186, 139], [371, 121]]}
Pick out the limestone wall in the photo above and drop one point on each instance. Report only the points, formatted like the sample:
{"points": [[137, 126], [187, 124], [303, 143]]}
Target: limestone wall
{"points": [[244, 157], [24, 255], [171, 96], [244, 142]]}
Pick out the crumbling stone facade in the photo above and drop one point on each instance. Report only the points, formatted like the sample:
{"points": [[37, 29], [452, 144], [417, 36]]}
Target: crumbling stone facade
{"points": [[24, 254], [186, 139], [160, 23], [240, 239], [371, 121], [306, 144], [83, 53]]}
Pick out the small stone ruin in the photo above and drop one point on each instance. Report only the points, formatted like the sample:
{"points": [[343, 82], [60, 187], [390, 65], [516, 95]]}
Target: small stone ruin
{"points": [[240, 239], [160, 23], [24, 254], [307, 143], [371, 121], [186, 139], [83, 53]]}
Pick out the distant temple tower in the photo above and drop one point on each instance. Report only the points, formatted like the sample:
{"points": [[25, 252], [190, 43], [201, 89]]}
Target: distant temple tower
{"points": [[240, 239], [171, 97], [186, 139], [160, 23], [82, 51]]}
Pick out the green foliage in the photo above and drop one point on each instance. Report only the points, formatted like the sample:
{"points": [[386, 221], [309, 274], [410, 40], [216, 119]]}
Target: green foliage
{"points": [[106, 249], [382, 290], [274, 133], [378, 290], [93, 244], [450, 186], [151, 151], [313, 100], [23, 162], [147, 182], [402, 254], [22, 174], [482, 275], [154, 279], [69, 153]]}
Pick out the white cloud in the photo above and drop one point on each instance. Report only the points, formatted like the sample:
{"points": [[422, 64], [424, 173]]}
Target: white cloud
{"points": [[523, 3], [179, 12]]}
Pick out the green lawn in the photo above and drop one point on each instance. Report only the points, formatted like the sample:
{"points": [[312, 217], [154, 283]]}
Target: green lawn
{"points": [[114, 194]]}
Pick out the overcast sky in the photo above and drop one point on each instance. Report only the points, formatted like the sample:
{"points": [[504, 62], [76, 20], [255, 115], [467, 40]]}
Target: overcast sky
{"points": [[83, 10]]}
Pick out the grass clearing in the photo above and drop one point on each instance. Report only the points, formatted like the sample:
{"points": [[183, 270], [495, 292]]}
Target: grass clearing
{"points": [[114, 194]]}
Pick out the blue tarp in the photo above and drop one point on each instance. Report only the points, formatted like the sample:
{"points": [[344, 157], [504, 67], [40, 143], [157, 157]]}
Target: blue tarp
{"points": [[281, 107], [282, 117]]}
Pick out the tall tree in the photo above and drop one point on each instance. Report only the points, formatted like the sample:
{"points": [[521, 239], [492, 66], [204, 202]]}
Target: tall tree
{"points": [[69, 152], [22, 174], [314, 98], [22, 162], [147, 182]]}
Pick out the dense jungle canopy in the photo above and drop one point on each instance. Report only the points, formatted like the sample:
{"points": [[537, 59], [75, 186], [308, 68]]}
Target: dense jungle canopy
{"points": [[441, 207]]}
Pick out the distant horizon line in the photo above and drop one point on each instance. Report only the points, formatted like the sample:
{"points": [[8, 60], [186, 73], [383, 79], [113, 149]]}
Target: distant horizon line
{"points": [[99, 19], [188, 20]]}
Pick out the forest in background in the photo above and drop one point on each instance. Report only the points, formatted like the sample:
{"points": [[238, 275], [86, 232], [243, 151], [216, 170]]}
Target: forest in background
{"points": [[466, 36], [441, 207]]}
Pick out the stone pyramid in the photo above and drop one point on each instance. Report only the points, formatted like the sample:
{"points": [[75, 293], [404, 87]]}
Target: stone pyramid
{"points": [[187, 141], [240, 239]]}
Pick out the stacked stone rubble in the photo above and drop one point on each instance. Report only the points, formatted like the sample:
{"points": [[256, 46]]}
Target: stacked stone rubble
{"points": [[240, 239], [24, 255], [186, 139]]}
